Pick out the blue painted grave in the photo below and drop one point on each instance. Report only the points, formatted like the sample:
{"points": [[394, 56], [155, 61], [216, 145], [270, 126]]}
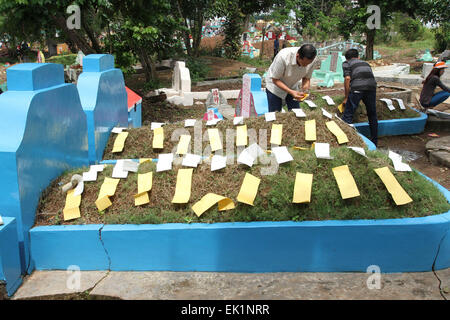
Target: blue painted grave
{"points": [[9, 255], [43, 134], [104, 100]]}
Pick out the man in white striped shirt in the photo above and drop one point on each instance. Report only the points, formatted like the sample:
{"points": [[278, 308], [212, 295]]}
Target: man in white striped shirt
{"points": [[283, 77]]}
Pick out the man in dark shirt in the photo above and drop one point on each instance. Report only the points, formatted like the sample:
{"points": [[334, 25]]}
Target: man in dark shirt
{"points": [[360, 85], [276, 46]]}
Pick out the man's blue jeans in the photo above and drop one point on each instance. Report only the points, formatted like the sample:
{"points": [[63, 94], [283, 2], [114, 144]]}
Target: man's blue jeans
{"points": [[275, 102], [370, 101]]}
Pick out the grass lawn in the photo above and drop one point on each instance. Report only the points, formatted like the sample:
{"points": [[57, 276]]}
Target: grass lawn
{"points": [[66, 60]]}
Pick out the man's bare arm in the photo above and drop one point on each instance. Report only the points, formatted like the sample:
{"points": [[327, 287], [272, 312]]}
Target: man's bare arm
{"points": [[306, 84], [295, 94], [347, 87]]}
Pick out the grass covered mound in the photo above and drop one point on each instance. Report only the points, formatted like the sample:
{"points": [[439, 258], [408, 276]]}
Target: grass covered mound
{"points": [[383, 112], [139, 142], [273, 201]]}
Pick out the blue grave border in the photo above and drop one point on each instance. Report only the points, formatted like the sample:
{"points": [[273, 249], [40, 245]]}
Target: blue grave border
{"points": [[394, 245], [396, 127]]}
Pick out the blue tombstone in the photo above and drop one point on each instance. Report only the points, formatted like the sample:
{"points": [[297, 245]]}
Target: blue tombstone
{"points": [[104, 100], [9, 255], [252, 97], [44, 133]]}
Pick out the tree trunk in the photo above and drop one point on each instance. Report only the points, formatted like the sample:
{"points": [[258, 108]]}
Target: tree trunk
{"points": [[197, 34], [74, 37], [187, 41], [369, 44], [92, 37], [262, 44]]}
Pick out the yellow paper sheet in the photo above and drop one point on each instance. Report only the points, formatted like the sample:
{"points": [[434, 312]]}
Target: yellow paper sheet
{"points": [[158, 138], [302, 188], [249, 189], [71, 213], [141, 199], [183, 145], [341, 108], [337, 131], [241, 136], [71, 200], [214, 139], [145, 182], [300, 148], [142, 160], [310, 130], [119, 143], [305, 97], [210, 200], [394, 188], [183, 188], [277, 134], [108, 187], [103, 203], [346, 182]]}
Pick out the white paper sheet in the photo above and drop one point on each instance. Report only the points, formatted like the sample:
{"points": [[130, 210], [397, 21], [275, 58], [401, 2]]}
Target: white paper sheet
{"points": [[118, 172], [327, 114], [165, 161], [358, 150], [117, 130], [246, 158], [97, 167], [90, 176], [156, 125], [270, 116], [329, 100], [189, 123], [213, 122], [397, 161], [191, 160], [238, 120], [282, 155], [130, 166], [310, 103], [299, 113], [255, 150], [389, 103], [218, 162], [400, 103], [322, 151]]}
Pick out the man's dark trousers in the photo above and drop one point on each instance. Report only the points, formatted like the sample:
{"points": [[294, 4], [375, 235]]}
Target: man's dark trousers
{"points": [[369, 99]]}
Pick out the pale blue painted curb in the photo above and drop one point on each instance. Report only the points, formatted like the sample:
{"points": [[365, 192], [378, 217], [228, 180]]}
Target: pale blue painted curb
{"points": [[396, 127], [59, 247]]}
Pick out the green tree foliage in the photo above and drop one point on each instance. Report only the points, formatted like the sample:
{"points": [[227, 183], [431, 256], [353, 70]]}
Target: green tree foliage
{"points": [[193, 14], [36, 20], [438, 13], [145, 29], [236, 13], [355, 20]]}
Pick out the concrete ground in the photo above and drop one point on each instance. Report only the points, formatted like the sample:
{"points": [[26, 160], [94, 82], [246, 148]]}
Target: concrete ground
{"points": [[234, 286]]}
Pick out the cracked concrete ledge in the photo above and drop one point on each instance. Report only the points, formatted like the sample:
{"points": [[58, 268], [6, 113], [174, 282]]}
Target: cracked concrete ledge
{"points": [[226, 286]]}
